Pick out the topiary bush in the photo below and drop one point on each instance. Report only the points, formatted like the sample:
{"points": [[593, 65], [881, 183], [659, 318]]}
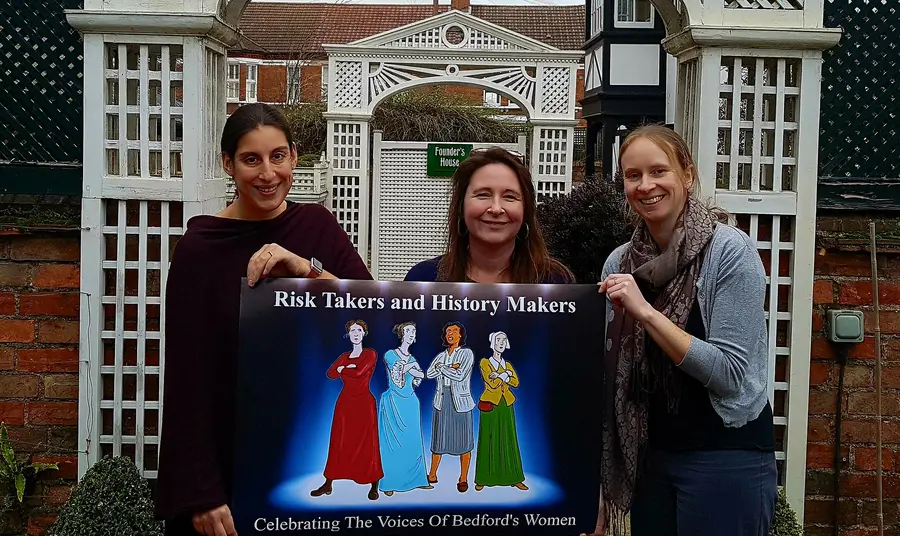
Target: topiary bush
{"points": [[585, 226], [785, 522], [112, 499]]}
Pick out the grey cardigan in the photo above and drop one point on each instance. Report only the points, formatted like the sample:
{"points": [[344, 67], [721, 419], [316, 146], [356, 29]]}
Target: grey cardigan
{"points": [[733, 362]]}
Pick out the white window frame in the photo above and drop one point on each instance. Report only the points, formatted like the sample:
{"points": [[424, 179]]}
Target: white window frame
{"points": [[491, 99], [596, 16], [294, 84], [324, 81], [251, 83], [233, 85], [635, 24]]}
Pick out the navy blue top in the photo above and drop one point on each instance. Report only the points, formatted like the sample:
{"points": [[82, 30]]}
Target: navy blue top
{"points": [[426, 271]]}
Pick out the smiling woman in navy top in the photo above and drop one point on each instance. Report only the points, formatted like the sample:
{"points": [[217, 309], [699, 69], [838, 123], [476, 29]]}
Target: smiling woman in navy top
{"points": [[494, 236]]}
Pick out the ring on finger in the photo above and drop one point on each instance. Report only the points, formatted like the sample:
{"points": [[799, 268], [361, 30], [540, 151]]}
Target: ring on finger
{"points": [[270, 254]]}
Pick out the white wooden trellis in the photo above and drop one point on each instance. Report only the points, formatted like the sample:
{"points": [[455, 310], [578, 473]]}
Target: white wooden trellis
{"points": [[450, 48], [409, 212], [138, 193], [748, 105], [154, 107]]}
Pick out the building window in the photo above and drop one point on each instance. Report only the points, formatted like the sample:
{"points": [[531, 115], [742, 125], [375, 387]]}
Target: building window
{"points": [[596, 16], [251, 82], [294, 94], [634, 13], [233, 84], [324, 82], [491, 99]]}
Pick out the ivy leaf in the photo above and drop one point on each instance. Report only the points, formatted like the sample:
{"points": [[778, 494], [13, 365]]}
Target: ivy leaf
{"points": [[20, 486], [41, 466]]}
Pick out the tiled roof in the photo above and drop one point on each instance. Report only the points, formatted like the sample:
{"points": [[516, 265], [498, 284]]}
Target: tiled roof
{"points": [[558, 26], [302, 29]]}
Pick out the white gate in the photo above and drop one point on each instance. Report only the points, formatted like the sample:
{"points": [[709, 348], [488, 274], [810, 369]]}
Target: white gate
{"points": [[409, 208]]}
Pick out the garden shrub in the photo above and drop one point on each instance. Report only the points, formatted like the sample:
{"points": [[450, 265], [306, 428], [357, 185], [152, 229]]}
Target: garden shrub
{"points": [[112, 499], [422, 114], [583, 227], [785, 522]]}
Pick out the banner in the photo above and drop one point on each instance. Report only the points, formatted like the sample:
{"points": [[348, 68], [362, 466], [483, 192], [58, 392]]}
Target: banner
{"points": [[388, 408]]}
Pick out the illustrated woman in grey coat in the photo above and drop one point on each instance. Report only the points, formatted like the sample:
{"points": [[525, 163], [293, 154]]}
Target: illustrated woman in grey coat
{"points": [[453, 428]]}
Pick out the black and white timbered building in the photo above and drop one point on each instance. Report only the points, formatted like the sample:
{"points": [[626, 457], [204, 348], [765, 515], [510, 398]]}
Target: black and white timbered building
{"points": [[627, 74]]}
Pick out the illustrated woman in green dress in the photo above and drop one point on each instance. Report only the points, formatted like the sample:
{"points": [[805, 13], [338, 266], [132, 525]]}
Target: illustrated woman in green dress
{"points": [[498, 461]]}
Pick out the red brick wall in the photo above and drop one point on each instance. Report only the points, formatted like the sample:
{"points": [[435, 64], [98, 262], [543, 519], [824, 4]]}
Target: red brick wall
{"points": [[271, 83], [311, 83], [843, 281], [39, 304]]}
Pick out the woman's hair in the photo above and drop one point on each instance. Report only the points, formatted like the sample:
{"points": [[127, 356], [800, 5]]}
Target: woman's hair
{"points": [[398, 329], [531, 261], [676, 148], [462, 332], [359, 323], [249, 117]]}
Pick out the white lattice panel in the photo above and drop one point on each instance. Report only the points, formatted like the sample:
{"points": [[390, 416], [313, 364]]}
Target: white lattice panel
{"points": [[411, 220], [346, 194], [348, 84], [551, 164], [551, 157], [555, 90], [756, 155], [347, 147], [764, 4], [758, 107], [143, 110], [549, 189], [410, 217], [157, 106], [138, 240], [430, 38], [484, 40]]}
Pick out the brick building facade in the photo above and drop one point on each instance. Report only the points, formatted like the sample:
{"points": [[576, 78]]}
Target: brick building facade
{"points": [[843, 281], [281, 60], [39, 334]]}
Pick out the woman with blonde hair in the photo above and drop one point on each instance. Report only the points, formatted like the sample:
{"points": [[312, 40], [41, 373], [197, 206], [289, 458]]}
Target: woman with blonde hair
{"points": [[688, 439]]}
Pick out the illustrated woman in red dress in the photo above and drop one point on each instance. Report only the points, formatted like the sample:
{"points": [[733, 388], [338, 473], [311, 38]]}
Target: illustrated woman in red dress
{"points": [[353, 452]]}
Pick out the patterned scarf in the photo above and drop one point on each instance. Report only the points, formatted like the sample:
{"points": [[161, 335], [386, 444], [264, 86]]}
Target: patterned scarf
{"points": [[628, 369]]}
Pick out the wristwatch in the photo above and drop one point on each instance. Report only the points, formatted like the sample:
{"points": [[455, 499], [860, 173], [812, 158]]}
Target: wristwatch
{"points": [[315, 268]]}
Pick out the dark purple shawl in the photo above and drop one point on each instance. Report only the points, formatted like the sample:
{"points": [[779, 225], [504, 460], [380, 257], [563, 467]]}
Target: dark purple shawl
{"points": [[202, 316]]}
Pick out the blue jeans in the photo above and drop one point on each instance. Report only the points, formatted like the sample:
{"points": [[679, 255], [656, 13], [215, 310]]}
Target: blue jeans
{"points": [[706, 493]]}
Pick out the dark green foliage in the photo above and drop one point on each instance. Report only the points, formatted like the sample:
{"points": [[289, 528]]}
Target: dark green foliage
{"points": [[435, 114], [308, 126], [16, 473], [584, 227], [785, 522], [112, 499], [428, 114]]}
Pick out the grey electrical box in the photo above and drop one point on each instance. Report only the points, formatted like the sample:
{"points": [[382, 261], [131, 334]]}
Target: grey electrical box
{"points": [[845, 325]]}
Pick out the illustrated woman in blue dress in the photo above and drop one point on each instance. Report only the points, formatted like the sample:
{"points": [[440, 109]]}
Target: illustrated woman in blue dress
{"points": [[399, 424]]}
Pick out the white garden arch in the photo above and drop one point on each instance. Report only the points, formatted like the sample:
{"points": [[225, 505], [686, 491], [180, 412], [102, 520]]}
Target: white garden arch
{"points": [[154, 103], [450, 48]]}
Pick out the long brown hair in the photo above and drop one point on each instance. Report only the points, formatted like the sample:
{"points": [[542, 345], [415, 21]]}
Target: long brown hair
{"points": [[531, 261]]}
